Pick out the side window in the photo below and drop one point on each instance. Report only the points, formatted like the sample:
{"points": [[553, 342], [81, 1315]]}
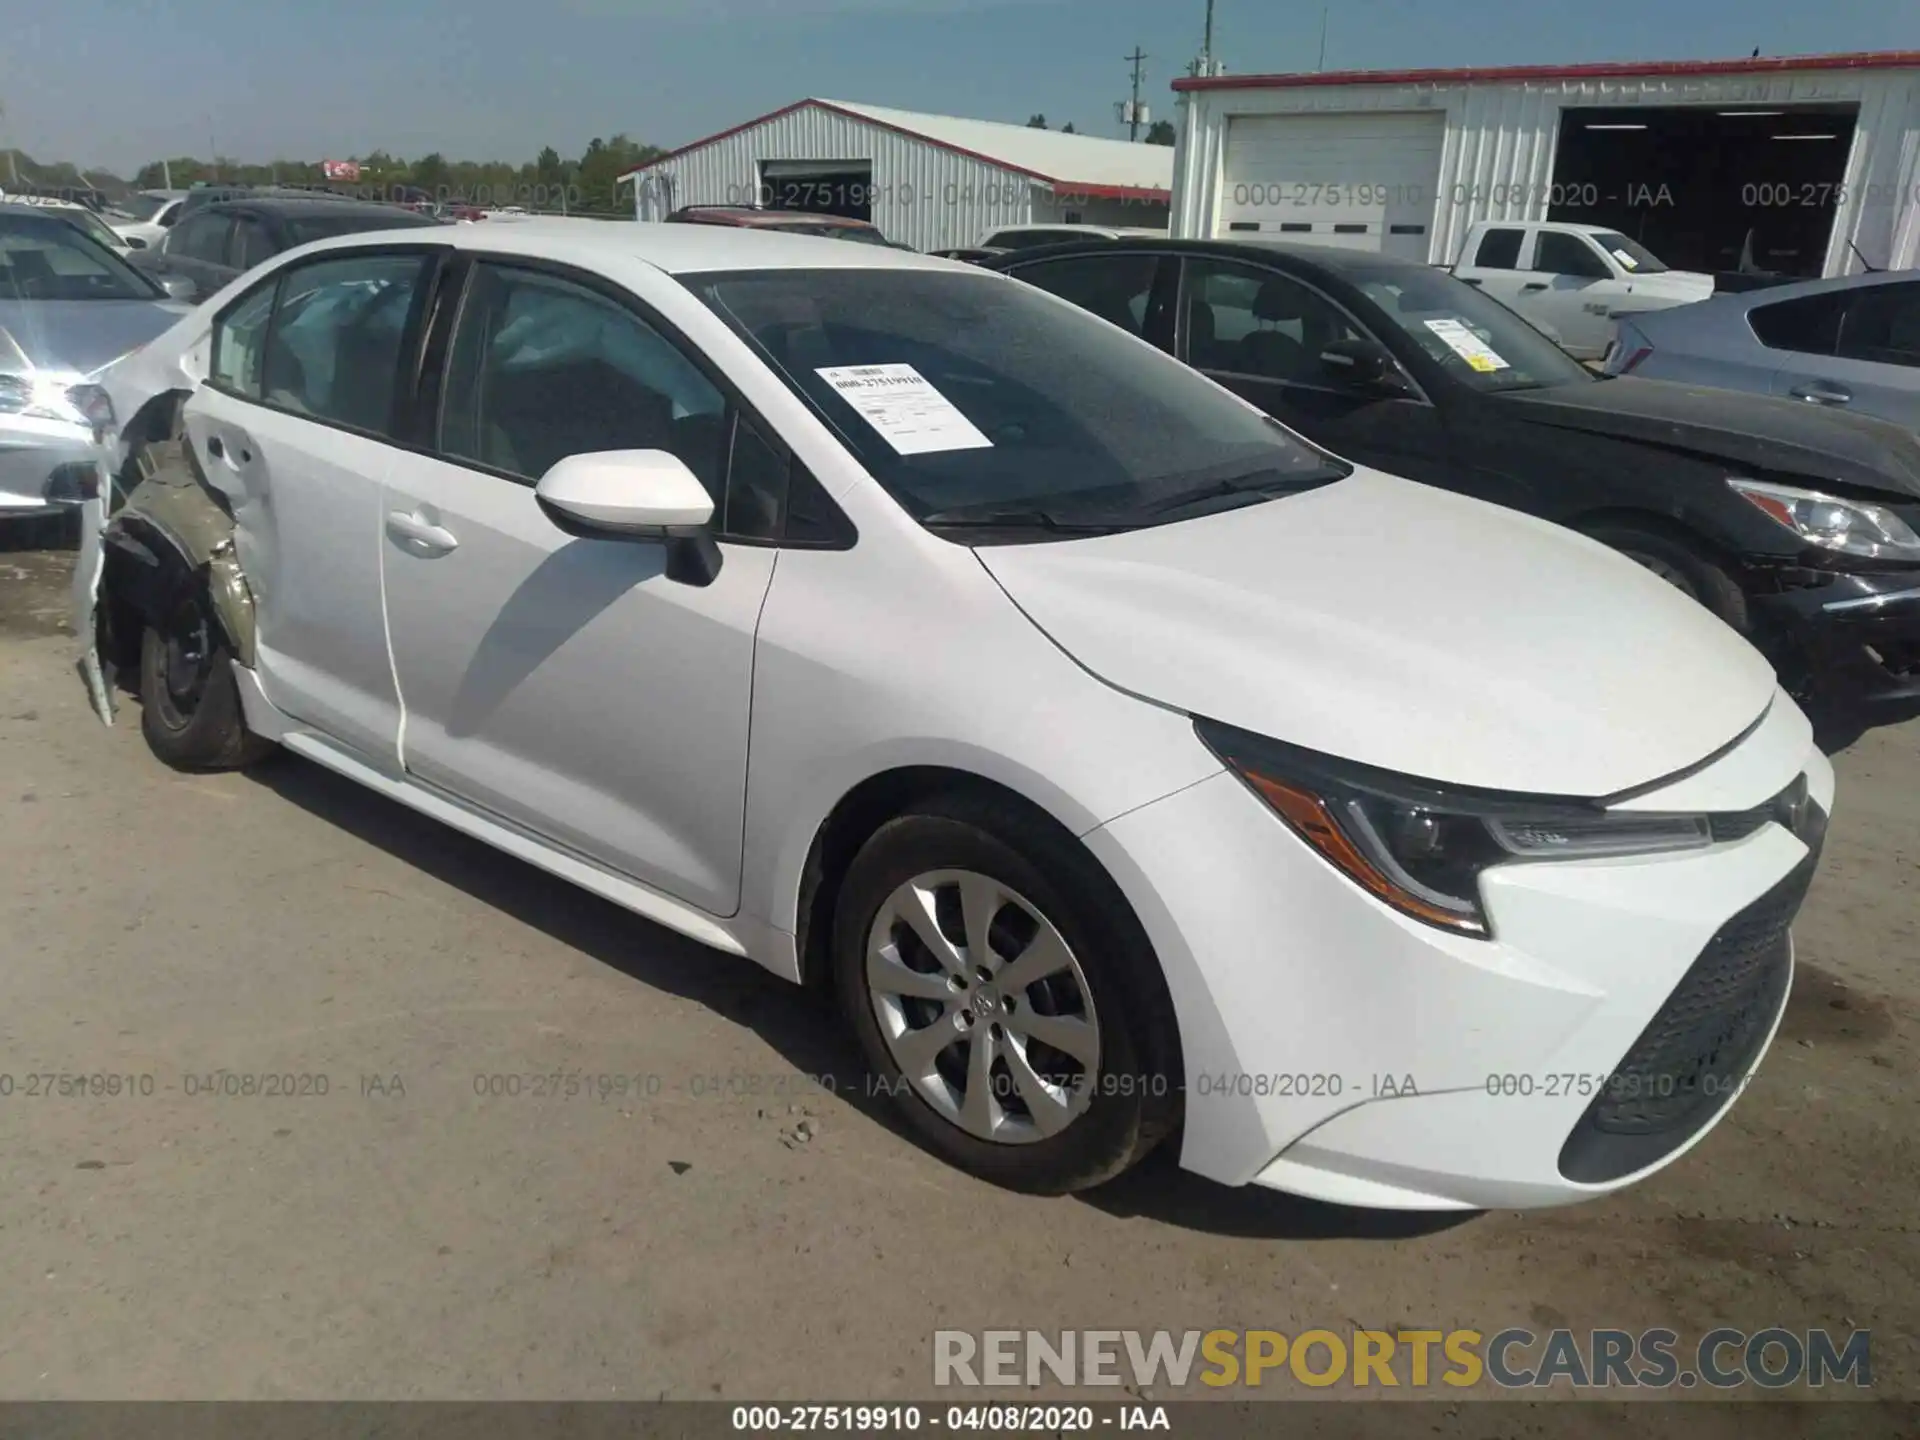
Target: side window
{"points": [[200, 237], [1883, 325], [1256, 322], [1114, 287], [1809, 325], [542, 368], [1558, 253], [237, 342], [757, 477], [169, 213], [1500, 250], [334, 351], [251, 244]]}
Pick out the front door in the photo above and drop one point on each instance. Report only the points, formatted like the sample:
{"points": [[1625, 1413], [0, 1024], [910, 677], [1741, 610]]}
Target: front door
{"points": [[1260, 333], [568, 685]]}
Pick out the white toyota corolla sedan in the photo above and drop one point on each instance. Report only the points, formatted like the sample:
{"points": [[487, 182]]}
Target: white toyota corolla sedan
{"points": [[1130, 766]]}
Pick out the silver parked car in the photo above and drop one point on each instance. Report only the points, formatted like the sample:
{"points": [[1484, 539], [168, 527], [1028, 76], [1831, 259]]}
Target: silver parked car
{"points": [[1851, 342], [69, 307]]}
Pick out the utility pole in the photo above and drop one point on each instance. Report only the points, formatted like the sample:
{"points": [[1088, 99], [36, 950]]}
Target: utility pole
{"points": [[1205, 64], [1132, 115]]}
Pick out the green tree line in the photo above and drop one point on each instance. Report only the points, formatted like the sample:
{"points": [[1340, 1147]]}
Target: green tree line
{"points": [[547, 182]]}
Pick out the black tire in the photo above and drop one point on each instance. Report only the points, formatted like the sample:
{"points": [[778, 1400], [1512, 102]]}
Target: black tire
{"points": [[189, 705], [1682, 563], [1135, 1093]]}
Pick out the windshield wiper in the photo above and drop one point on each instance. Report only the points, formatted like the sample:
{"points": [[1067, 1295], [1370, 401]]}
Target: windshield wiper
{"points": [[1264, 483], [1012, 517]]}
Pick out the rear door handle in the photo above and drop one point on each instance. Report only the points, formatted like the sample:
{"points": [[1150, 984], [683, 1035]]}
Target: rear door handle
{"points": [[1820, 395], [416, 530]]}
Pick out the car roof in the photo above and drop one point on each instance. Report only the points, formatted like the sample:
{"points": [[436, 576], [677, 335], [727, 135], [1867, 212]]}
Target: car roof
{"points": [[1337, 258], [284, 205], [677, 249], [748, 215]]}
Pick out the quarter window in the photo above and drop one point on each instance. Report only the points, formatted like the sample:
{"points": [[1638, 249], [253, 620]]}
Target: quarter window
{"points": [[237, 342]]}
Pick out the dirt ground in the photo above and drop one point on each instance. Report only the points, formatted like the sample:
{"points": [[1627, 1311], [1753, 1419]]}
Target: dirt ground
{"points": [[405, 1236]]}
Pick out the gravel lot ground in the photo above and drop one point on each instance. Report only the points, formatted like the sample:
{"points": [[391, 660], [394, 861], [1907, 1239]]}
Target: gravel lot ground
{"points": [[405, 1237]]}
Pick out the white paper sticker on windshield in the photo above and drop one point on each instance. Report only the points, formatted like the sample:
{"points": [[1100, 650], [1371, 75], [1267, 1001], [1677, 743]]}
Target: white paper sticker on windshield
{"points": [[900, 402], [1627, 262], [1467, 345]]}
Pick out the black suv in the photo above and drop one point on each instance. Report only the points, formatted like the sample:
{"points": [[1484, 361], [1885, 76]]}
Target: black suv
{"points": [[215, 243]]}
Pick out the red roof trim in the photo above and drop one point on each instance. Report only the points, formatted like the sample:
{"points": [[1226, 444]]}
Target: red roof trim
{"points": [[1862, 60], [1116, 192]]}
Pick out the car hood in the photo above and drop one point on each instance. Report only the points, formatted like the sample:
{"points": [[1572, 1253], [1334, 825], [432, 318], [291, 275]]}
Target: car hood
{"points": [[1404, 627], [1754, 432], [78, 335], [1680, 285]]}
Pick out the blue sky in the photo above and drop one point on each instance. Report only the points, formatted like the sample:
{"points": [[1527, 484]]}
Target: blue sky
{"points": [[120, 83]]}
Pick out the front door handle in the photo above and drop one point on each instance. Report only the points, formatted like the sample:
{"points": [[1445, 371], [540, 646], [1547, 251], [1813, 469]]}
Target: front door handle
{"points": [[1820, 395], [418, 531], [1534, 285]]}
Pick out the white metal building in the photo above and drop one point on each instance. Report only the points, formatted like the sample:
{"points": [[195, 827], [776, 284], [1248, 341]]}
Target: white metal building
{"points": [[930, 181], [1804, 164]]}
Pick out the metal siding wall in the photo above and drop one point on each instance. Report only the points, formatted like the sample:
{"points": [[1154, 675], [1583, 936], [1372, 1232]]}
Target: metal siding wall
{"points": [[924, 196], [1497, 160]]}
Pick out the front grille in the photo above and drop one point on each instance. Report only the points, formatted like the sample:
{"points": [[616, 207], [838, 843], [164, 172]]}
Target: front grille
{"points": [[1689, 1062]]}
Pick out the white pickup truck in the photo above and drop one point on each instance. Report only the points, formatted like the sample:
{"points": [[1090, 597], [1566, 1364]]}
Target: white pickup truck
{"points": [[1572, 280]]}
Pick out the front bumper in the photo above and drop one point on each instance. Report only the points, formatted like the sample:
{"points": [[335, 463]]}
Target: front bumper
{"points": [[1851, 640], [45, 465], [1339, 1050]]}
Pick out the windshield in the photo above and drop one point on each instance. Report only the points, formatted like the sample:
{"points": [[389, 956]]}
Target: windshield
{"points": [[1470, 335], [1634, 258], [44, 258], [974, 394], [302, 228], [141, 207]]}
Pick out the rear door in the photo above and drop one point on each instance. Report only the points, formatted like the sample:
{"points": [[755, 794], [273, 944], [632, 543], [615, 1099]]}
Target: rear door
{"points": [[569, 685], [1858, 349], [295, 425], [1570, 289], [197, 249]]}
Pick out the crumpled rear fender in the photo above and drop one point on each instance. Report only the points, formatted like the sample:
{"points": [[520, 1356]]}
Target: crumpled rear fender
{"points": [[171, 539]]}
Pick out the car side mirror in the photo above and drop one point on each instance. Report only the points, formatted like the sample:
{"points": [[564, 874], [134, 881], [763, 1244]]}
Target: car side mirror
{"points": [[134, 242], [178, 287], [1362, 365], [640, 495]]}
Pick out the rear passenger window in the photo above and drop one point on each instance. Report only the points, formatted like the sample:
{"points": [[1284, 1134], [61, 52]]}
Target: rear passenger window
{"points": [[237, 343], [1499, 250], [1114, 287], [334, 350], [1809, 325]]}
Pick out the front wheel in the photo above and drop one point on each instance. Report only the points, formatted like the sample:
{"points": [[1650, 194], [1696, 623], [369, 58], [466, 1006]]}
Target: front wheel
{"points": [[1682, 564], [189, 704], [1002, 999]]}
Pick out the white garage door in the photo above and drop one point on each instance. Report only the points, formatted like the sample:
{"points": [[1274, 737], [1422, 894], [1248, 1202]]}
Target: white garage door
{"points": [[1364, 181]]}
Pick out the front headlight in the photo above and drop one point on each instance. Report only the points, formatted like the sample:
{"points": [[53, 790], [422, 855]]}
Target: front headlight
{"points": [[1853, 527], [1422, 847], [40, 396]]}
